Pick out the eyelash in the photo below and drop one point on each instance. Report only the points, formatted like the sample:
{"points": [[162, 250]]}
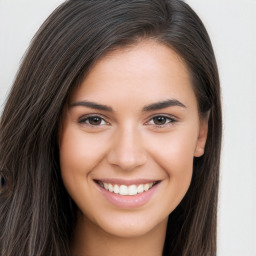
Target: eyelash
{"points": [[85, 120], [169, 120]]}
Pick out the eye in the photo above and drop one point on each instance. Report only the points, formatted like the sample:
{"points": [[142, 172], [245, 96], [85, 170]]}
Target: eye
{"points": [[161, 121], [93, 120]]}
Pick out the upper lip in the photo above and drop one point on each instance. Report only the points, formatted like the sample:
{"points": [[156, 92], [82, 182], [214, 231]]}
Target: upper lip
{"points": [[126, 182]]}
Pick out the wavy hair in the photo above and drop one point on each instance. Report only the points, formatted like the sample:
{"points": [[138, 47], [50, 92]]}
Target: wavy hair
{"points": [[36, 213]]}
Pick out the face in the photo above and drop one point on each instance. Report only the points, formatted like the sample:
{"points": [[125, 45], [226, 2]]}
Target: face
{"points": [[128, 139]]}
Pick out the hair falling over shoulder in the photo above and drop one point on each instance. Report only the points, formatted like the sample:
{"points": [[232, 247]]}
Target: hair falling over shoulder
{"points": [[36, 212]]}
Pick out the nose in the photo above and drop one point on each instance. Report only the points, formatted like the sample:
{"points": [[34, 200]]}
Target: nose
{"points": [[127, 151]]}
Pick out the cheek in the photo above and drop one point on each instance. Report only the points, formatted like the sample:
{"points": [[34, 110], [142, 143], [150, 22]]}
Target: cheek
{"points": [[78, 152], [175, 154], [174, 151]]}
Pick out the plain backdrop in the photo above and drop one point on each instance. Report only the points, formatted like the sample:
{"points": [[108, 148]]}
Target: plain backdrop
{"points": [[232, 28]]}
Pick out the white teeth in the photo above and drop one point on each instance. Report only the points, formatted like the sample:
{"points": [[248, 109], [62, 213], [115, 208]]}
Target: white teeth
{"points": [[140, 188], [146, 187], [123, 190], [132, 190], [127, 190], [110, 188], [116, 189]]}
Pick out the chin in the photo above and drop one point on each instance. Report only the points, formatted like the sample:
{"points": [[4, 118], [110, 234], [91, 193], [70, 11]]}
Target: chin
{"points": [[127, 226]]}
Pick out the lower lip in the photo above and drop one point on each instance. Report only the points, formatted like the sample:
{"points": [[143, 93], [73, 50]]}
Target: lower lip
{"points": [[129, 201]]}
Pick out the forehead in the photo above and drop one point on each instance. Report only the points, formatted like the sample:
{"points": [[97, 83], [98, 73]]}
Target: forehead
{"points": [[143, 56], [148, 69]]}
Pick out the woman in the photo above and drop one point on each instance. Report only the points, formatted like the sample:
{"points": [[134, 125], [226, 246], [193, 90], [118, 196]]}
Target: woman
{"points": [[110, 138]]}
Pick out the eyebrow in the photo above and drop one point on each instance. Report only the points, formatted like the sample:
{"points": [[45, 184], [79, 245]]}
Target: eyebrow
{"points": [[151, 107], [92, 105], [163, 104]]}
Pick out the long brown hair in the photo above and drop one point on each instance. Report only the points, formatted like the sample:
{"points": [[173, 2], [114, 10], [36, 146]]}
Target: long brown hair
{"points": [[36, 213]]}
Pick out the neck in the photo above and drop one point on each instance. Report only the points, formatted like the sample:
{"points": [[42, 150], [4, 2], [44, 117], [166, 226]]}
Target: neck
{"points": [[90, 240]]}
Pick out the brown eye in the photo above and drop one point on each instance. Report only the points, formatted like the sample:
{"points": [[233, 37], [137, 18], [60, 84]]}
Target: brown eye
{"points": [[95, 120], [160, 120], [92, 120]]}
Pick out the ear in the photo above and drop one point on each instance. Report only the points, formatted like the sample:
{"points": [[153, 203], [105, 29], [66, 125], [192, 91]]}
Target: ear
{"points": [[202, 136]]}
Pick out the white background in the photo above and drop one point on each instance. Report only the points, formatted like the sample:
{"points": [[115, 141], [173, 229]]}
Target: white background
{"points": [[232, 28]]}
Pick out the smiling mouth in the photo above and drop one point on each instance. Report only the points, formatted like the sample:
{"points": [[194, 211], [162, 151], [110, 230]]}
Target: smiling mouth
{"points": [[125, 190]]}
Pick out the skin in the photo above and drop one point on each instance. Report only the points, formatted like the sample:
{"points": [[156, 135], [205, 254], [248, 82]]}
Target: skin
{"points": [[128, 143]]}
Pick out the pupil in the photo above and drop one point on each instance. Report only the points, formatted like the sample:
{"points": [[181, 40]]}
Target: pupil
{"points": [[95, 120], [160, 120]]}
